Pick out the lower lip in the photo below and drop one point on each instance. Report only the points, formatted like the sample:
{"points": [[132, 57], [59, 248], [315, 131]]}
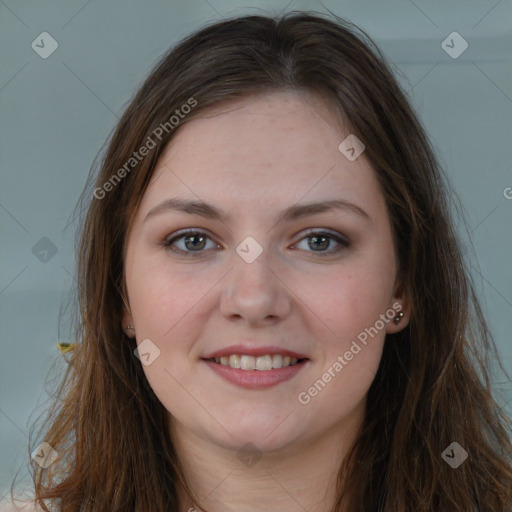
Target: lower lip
{"points": [[256, 379]]}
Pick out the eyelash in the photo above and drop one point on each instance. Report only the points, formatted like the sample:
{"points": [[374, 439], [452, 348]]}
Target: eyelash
{"points": [[344, 244]]}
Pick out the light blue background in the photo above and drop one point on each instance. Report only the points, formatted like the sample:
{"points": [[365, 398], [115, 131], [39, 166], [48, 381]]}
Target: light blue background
{"points": [[57, 112]]}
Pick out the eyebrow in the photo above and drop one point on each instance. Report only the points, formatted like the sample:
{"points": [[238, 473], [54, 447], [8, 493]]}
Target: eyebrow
{"points": [[291, 213]]}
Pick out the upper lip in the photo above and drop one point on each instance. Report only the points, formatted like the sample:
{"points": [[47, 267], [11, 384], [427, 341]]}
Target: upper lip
{"points": [[253, 351]]}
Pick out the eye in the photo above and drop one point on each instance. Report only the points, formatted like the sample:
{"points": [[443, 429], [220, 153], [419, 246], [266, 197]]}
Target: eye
{"points": [[322, 239], [195, 241]]}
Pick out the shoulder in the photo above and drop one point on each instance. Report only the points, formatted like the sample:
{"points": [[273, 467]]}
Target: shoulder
{"points": [[7, 505]]}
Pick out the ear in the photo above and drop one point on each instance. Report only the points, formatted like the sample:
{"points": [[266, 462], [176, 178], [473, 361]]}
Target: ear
{"points": [[127, 318], [400, 304]]}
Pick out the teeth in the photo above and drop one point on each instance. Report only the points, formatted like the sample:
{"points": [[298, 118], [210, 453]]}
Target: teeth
{"points": [[262, 363], [234, 361], [277, 361], [247, 363]]}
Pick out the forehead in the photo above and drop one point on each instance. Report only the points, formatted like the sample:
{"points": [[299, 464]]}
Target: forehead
{"points": [[265, 151], [269, 128]]}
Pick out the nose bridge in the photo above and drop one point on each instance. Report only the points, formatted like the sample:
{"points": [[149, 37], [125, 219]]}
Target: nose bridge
{"points": [[251, 289]]}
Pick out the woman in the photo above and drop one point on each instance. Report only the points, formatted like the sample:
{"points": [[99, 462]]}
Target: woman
{"points": [[274, 310]]}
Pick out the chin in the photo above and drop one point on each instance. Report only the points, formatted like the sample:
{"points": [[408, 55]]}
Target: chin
{"points": [[255, 440], [266, 433]]}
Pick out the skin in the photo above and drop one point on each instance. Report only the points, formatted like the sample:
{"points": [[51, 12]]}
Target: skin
{"points": [[253, 158]]}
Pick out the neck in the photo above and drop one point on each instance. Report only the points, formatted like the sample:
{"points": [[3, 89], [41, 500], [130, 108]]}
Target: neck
{"points": [[297, 477]]}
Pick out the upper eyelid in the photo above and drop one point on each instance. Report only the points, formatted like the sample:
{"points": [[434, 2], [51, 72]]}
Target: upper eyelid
{"points": [[188, 231]]}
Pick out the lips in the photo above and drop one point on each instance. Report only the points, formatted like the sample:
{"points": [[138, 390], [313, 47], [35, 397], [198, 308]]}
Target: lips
{"points": [[255, 367], [256, 379]]}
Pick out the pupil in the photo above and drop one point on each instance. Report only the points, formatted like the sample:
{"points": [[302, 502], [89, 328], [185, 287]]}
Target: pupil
{"points": [[194, 245], [316, 238]]}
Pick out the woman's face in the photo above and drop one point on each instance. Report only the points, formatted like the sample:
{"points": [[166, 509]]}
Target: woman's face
{"points": [[317, 283]]}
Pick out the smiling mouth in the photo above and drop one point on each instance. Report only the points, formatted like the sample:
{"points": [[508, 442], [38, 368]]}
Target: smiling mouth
{"points": [[262, 363]]}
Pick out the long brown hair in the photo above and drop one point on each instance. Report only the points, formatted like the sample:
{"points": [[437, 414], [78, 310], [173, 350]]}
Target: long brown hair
{"points": [[433, 386]]}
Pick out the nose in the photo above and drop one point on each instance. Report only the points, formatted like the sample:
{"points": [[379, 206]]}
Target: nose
{"points": [[256, 292]]}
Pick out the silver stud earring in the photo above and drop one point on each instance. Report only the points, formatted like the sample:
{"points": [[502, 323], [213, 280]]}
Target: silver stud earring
{"points": [[398, 317], [130, 327]]}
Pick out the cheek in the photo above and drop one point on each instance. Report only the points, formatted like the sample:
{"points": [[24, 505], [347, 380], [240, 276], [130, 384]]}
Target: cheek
{"points": [[162, 297], [348, 299], [349, 385], [351, 343], [165, 305]]}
